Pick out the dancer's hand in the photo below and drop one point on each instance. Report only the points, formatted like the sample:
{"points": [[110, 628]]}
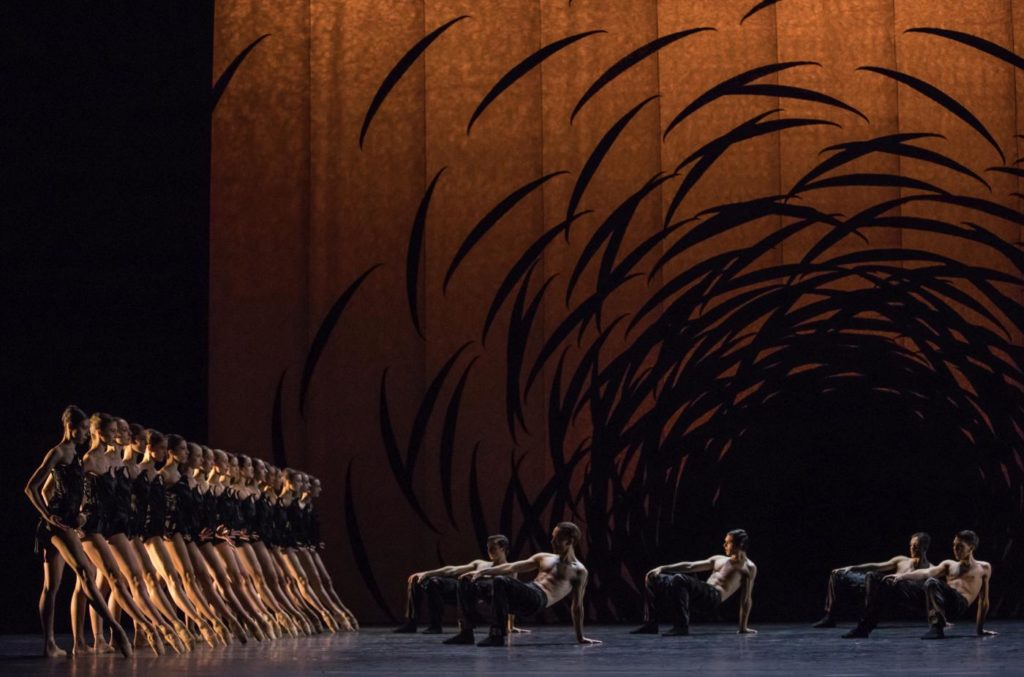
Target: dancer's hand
{"points": [[656, 571], [893, 578], [415, 578], [519, 631], [987, 633], [841, 570], [587, 640]]}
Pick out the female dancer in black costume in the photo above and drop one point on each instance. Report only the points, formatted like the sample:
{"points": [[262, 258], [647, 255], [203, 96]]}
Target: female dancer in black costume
{"points": [[104, 525], [263, 546], [129, 443], [267, 583], [149, 508], [310, 556], [59, 479], [204, 534], [178, 534], [223, 516]]}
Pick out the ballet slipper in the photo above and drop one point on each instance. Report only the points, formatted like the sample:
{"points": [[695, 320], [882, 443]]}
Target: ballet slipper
{"points": [[153, 639], [121, 640]]}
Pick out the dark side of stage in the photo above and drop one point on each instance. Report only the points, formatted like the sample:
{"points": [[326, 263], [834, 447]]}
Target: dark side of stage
{"points": [[779, 649]]}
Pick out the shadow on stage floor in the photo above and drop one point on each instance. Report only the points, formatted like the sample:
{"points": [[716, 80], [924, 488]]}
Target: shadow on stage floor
{"points": [[780, 649]]}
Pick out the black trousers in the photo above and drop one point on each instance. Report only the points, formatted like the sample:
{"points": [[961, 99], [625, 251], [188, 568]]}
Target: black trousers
{"points": [[944, 603], [845, 591], [438, 592], [508, 596], [906, 596], [680, 595]]}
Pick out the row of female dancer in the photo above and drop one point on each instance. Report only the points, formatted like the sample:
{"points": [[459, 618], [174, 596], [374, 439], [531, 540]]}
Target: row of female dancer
{"points": [[189, 542]]}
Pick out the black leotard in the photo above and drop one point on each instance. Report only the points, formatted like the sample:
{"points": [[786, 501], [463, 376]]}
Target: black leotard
{"points": [[120, 516], [150, 506], [65, 501], [98, 492], [179, 509], [265, 521]]}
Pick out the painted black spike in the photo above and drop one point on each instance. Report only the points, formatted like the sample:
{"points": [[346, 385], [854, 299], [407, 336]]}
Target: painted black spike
{"points": [[522, 68], [229, 72], [415, 252], [399, 70]]}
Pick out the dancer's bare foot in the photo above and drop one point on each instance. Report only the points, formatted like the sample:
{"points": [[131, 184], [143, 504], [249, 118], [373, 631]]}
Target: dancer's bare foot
{"points": [[51, 650]]}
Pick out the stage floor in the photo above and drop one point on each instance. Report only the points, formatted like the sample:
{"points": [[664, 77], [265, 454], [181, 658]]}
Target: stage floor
{"points": [[781, 649]]}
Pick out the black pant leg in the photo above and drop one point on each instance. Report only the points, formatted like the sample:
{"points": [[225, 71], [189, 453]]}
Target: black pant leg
{"points": [[831, 593], [467, 599], [440, 591], [416, 594], [874, 598], [510, 596], [680, 586], [944, 603]]}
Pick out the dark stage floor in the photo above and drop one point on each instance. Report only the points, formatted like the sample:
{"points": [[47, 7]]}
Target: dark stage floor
{"points": [[711, 649]]}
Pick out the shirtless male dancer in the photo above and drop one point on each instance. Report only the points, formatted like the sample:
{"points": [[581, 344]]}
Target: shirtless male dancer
{"points": [[673, 584], [866, 580], [559, 573], [952, 586], [441, 587]]}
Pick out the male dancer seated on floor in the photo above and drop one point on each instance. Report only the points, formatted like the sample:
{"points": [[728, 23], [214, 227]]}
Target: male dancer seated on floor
{"points": [[952, 586], [864, 580], [559, 573], [673, 585], [441, 587]]}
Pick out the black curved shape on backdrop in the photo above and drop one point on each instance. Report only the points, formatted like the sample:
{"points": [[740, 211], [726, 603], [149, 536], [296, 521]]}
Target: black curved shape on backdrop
{"points": [[671, 396], [492, 217], [942, 98], [355, 540], [731, 87], [630, 60], [596, 156], [521, 69], [225, 78], [323, 335], [415, 251], [990, 48], [764, 4], [399, 69]]}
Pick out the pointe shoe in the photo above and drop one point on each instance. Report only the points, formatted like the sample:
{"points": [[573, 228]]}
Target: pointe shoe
{"points": [[171, 639], [184, 635], [209, 636], [153, 639], [222, 632], [255, 630], [238, 631], [329, 622], [121, 640]]}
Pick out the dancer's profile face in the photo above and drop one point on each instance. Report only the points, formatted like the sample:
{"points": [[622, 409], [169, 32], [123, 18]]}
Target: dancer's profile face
{"points": [[180, 453], [494, 551], [106, 432], [560, 542], [123, 436], [158, 450], [960, 549], [915, 547], [728, 546], [80, 433]]}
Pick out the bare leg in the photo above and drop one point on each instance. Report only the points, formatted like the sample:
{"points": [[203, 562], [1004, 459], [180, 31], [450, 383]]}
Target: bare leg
{"points": [[226, 609], [103, 557], [275, 582], [291, 585], [294, 570], [53, 572], [166, 569], [308, 568], [244, 588], [157, 594], [79, 606], [128, 561], [328, 584], [220, 573], [269, 587], [73, 552]]}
